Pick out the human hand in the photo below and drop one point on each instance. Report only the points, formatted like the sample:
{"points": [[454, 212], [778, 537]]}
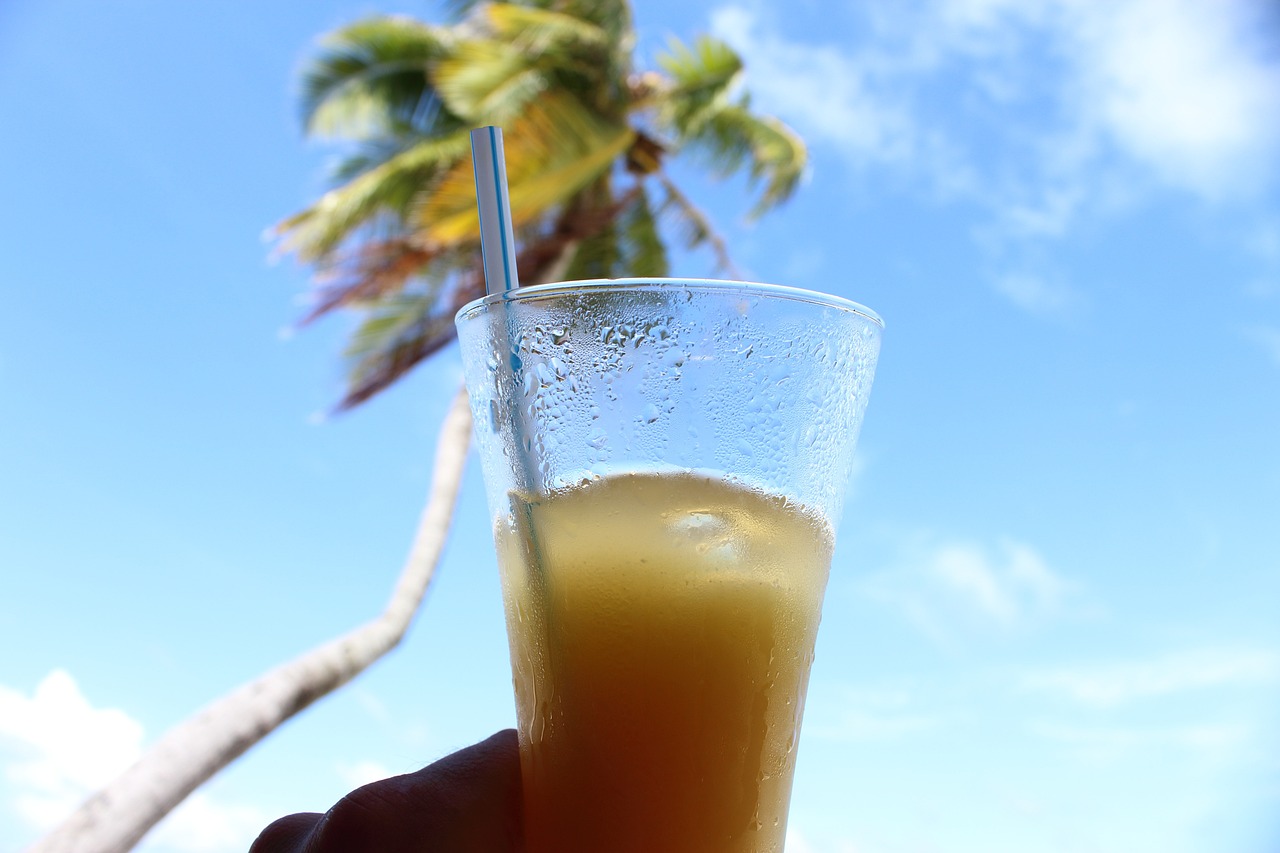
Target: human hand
{"points": [[467, 802]]}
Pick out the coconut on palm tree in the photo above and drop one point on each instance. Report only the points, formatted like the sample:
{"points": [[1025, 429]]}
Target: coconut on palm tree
{"points": [[588, 137]]}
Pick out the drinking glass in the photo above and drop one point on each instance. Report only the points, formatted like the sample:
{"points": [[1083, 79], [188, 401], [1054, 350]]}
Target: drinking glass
{"points": [[665, 461]]}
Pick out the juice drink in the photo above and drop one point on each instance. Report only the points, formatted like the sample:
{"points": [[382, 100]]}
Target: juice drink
{"points": [[662, 630]]}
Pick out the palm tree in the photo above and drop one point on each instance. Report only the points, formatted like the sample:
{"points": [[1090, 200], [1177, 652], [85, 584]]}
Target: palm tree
{"points": [[587, 140], [397, 240]]}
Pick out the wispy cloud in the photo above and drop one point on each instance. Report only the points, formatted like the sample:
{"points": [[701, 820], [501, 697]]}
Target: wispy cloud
{"points": [[834, 94], [372, 705], [1057, 105], [1112, 684], [1262, 288], [869, 715], [1264, 240], [1108, 741], [1263, 243], [1038, 294], [362, 773], [1267, 338], [952, 588], [56, 748]]}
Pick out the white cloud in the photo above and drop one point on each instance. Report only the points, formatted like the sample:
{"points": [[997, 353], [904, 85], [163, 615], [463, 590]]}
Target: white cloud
{"points": [[829, 92], [203, 824], [868, 715], [56, 748], [1037, 294], [967, 572], [955, 587], [1182, 87], [1108, 741], [1043, 111], [61, 747], [1049, 214], [372, 705], [363, 772], [1112, 684], [798, 843]]}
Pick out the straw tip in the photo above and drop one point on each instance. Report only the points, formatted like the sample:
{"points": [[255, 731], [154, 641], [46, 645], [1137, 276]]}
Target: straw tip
{"points": [[497, 238]]}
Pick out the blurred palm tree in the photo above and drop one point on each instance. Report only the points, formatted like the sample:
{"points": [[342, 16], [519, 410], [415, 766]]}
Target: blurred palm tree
{"points": [[588, 137]]}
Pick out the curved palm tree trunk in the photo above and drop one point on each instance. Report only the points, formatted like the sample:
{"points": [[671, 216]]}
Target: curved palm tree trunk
{"points": [[115, 818]]}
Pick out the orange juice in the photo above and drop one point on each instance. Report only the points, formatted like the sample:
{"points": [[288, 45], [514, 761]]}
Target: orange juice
{"points": [[662, 629]]}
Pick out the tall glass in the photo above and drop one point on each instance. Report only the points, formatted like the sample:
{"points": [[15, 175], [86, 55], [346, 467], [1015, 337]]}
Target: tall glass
{"points": [[665, 461]]}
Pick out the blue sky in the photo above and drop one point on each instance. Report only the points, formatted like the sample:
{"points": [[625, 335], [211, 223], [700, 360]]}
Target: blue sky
{"points": [[1051, 622]]}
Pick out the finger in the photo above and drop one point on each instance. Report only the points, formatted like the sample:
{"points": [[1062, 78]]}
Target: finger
{"points": [[287, 835], [468, 802]]}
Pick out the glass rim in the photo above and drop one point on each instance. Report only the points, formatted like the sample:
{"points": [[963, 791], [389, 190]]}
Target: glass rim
{"points": [[534, 292]]}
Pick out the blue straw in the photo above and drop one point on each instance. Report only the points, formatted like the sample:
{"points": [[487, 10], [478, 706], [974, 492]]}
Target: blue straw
{"points": [[497, 239]]}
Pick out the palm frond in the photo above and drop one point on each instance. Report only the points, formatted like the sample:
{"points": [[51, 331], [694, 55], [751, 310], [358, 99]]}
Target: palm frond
{"points": [[368, 155], [701, 109], [373, 77], [488, 82], [396, 238], [591, 225], [538, 31], [371, 271], [692, 225], [643, 252], [613, 17], [773, 153], [388, 188], [537, 191], [555, 148], [702, 78], [515, 53], [460, 9], [597, 256], [398, 334]]}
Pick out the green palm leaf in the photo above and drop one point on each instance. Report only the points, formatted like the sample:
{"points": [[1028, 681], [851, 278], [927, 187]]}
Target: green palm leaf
{"points": [[596, 256], [489, 82], [517, 53], [388, 188], [702, 78], [643, 252], [373, 77], [542, 31], [702, 111], [367, 155], [774, 155], [612, 16]]}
